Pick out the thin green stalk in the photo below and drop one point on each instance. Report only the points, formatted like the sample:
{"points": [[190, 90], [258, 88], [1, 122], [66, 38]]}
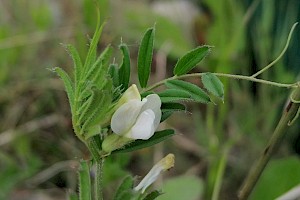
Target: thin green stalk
{"points": [[220, 174], [240, 77], [211, 175], [280, 55], [212, 146], [287, 117]]}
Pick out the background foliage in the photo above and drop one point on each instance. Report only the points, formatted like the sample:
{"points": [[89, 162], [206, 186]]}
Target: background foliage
{"points": [[38, 150]]}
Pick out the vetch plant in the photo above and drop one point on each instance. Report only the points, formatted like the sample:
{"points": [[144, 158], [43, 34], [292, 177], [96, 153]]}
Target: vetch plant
{"points": [[110, 117]]}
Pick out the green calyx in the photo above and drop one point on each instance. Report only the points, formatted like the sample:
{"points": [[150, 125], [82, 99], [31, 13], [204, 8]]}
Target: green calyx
{"points": [[114, 142]]}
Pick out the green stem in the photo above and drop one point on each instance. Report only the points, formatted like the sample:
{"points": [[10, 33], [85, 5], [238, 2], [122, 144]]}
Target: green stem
{"points": [[98, 185], [93, 147], [84, 181], [99, 162], [281, 54], [220, 174], [213, 146], [275, 141], [240, 77]]}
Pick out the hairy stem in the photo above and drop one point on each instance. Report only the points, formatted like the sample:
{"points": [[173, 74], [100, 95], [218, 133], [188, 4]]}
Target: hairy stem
{"points": [[98, 186], [278, 135], [93, 148], [99, 162], [84, 181]]}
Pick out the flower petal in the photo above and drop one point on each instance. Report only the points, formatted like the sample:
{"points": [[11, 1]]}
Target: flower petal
{"points": [[153, 103], [163, 165], [149, 178], [143, 128], [131, 93], [125, 116]]}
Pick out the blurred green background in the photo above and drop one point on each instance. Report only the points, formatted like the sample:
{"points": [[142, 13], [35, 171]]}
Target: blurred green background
{"points": [[214, 146]]}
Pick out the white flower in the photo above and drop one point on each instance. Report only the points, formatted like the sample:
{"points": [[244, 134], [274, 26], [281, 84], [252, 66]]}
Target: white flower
{"points": [[163, 165], [134, 118]]}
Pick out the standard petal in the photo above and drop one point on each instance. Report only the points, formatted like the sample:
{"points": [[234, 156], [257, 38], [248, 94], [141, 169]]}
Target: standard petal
{"points": [[125, 116], [153, 103], [130, 94], [143, 128]]}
